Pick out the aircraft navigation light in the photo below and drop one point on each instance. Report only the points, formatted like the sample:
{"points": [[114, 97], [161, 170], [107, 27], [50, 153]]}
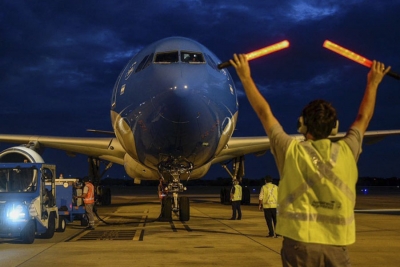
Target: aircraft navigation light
{"points": [[260, 52], [353, 56]]}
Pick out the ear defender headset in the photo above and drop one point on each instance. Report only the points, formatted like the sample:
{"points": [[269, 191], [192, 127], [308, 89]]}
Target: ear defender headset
{"points": [[302, 126]]}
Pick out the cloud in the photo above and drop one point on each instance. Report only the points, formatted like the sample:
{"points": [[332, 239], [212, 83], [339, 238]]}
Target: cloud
{"points": [[60, 59], [323, 83], [117, 56], [304, 10]]}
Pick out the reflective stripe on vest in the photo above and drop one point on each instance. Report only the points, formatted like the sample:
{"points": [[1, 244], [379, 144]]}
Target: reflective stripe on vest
{"points": [[270, 196], [89, 199], [324, 171], [238, 193], [315, 205]]}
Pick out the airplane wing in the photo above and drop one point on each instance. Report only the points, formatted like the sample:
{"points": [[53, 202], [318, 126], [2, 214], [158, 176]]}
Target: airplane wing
{"points": [[103, 148], [239, 146], [110, 149]]}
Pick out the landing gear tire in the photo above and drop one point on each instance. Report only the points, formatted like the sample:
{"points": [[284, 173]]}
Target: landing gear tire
{"points": [[245, 196], [184, 209], [166, 209], [225, 196], [28, 233], [104, 196], [84, 220], [108, 196], [62, 224], [51, 227]]}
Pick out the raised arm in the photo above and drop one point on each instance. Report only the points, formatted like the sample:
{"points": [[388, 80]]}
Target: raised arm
{"points": [[257, 101], [367, 106]]}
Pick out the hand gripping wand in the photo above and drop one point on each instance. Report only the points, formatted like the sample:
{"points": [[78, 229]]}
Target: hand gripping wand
{"points": [[355, 57]]}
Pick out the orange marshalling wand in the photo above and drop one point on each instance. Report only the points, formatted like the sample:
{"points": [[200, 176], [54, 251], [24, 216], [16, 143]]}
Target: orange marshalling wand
{"points": [[259, 53], [267, 50], [347, 53], [353, 56]]}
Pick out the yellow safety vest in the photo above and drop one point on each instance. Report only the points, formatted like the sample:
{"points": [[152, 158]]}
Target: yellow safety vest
{"points": [[317, 193], [270, 196], [238, 193]]}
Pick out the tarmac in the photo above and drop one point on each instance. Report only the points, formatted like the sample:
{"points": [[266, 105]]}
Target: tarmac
{"points": [[130, 234]]}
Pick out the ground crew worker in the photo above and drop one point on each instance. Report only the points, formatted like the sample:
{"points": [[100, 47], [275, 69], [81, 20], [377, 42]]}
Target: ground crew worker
{"points": [[316, 195], [268, 201], [236, 198], [88, 199]]}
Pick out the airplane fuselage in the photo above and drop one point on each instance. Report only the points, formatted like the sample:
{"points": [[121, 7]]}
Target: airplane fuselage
{"points": [[172, 108]]}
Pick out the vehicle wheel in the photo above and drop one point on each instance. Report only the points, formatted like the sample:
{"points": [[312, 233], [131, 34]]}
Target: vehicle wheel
{"points": [[108, 196], [28, 233], [222, 195], [166, 209], [84, 220], [62, 224], [51, 226], [184, 209]]}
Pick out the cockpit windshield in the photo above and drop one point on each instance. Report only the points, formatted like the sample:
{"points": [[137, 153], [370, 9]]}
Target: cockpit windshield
{"points": [[173, 57], [18, 180], [192, 57], [167, 57]]}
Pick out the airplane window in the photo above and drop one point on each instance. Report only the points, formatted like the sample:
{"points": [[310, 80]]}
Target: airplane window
{"points": [[18, 180], [211, 62], [148, 62], [192, 57], [166, 57], [142, 64], [47, 174]]}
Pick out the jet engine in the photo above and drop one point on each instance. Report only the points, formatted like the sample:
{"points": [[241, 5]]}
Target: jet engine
{"points": [[20, 154]]}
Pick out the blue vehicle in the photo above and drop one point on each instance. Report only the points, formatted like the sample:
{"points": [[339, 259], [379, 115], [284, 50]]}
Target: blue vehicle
{"points": [[27, 201], [70, 209]]}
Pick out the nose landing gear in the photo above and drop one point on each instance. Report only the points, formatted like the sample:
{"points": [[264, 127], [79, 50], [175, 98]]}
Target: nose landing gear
{"points": [[175, 203]]}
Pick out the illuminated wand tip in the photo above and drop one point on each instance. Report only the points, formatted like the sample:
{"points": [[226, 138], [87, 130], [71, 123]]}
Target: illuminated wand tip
{"points": [[353, 56], [347, 53], [260, 52]]}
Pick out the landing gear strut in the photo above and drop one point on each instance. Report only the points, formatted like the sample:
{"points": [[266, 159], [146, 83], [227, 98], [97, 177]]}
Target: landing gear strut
{"points": [[103, 194], [238, 173], [175, 203]]}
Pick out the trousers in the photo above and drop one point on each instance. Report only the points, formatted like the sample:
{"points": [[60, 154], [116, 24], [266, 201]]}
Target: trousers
{"points": [[299, 254]]}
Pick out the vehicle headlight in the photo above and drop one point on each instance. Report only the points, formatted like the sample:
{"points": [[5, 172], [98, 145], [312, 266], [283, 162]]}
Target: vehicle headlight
{"points": [[16, 212]]}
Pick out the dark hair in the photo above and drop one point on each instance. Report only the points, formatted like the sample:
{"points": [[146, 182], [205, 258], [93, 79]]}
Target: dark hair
{"points": [[268, 179], [87, 179], [320, 118]]}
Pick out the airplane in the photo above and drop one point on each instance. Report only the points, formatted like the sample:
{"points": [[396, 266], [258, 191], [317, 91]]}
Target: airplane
{"points": [[173, 113]]}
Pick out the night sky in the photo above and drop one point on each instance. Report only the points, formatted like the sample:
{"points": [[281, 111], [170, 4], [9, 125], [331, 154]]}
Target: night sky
{"points": [[59, 61]]}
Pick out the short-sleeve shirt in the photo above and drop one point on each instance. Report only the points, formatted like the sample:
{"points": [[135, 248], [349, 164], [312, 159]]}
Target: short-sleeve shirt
{"points": [[280, 142]]}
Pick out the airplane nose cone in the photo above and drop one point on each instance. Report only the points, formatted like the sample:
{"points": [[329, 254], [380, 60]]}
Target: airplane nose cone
{"points": [[180, 104], [182, 89], [183, 80]]}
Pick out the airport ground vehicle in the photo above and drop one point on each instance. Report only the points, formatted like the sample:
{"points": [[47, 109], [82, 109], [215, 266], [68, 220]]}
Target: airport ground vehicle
{"points": [[28, 201], [69, 209]]}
